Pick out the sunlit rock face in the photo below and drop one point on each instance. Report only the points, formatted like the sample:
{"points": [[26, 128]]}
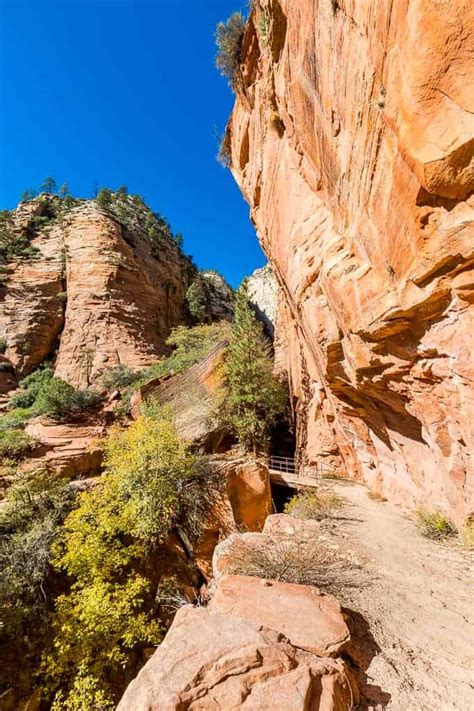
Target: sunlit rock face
{"points": [[247, 649], [95, 294], [352, 140], [262, 292]]}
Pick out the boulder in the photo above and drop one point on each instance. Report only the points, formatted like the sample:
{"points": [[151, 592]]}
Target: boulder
{"points": [[210, 661], [244, 501], [308, 618], [71, 449]]}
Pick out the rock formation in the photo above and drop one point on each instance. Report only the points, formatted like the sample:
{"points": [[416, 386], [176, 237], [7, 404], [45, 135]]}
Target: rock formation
{"points": [[99, 290], [71, 449], [192, 395], [219, 295], [262, 292], [244, 501], [352, 140], [249, 650]]}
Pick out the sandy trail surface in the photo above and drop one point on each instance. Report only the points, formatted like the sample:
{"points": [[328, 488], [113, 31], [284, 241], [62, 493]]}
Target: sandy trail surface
{"points": [[412, 619]]}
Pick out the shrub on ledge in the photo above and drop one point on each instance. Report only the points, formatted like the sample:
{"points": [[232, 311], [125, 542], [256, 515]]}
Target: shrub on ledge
{"points": [[229, 37]]}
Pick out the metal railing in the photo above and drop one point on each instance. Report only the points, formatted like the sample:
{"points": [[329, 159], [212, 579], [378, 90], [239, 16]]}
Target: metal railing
{"points": [[282, 464], [289, 466]]}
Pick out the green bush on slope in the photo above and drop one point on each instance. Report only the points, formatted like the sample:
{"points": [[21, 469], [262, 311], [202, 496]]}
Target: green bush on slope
{"points": [[42, 394], [434, 524]]}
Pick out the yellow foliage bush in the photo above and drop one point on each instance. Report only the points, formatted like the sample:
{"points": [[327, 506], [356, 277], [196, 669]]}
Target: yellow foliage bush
{"points": [[109, 616]]}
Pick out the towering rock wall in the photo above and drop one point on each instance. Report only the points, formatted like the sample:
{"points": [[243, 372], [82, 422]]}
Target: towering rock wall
{"points": [[98, 291], [124, 295], [352, 140]]}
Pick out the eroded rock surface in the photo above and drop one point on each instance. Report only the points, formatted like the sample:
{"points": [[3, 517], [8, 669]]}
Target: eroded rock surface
{"points": [[244, 501], [192, 396], [211, 661], [98, 292], [71, 449], [309, 619], [219, 295], [352, 141], [258, 644]]}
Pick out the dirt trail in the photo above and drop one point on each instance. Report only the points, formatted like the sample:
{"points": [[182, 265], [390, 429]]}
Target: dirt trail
{"points": [[413, 621]]}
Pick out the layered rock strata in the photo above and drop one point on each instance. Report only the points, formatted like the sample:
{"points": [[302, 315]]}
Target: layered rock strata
{"points": [[192, 395], [71, 450], [97, 293], [352, 140]]}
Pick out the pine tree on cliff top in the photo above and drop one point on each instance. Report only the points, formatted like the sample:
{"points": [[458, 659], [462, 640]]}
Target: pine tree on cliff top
{"points": [[253, 399], [49, 185]]}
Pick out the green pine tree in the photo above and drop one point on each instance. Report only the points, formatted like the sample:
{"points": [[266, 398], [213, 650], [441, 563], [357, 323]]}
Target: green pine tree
{"points": [[64, 190], [197, 302], [252, 399], [28, 195], [49, 185], [104, 198]]}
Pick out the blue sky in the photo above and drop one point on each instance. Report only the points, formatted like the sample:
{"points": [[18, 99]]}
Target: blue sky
{"points": [[125, 91]]}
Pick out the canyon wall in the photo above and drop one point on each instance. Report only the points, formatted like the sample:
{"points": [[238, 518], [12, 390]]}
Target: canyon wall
{"points": [[352, 140], [97, 291]]}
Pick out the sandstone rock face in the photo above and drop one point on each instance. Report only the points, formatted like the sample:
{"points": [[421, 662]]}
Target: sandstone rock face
{"points": [[248, 490], [245, 501], [123, 298], [262, 292], [219, 296], [70, 449], [99, 292], [226, 657], [31, 297], [352, 139], [309, 619], [192, 396]]}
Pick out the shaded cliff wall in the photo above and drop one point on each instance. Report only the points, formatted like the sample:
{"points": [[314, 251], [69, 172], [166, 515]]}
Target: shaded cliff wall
{"points": [[352, 141]]}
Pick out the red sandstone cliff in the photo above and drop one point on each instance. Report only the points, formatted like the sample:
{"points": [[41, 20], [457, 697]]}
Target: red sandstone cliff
{"points": [[98, 292], [352, 139]]}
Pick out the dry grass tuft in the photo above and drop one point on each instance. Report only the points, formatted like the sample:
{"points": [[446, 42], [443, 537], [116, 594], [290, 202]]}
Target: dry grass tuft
{"points": [[297, 559], [375, 496], [314, 505], [434, 525]]}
